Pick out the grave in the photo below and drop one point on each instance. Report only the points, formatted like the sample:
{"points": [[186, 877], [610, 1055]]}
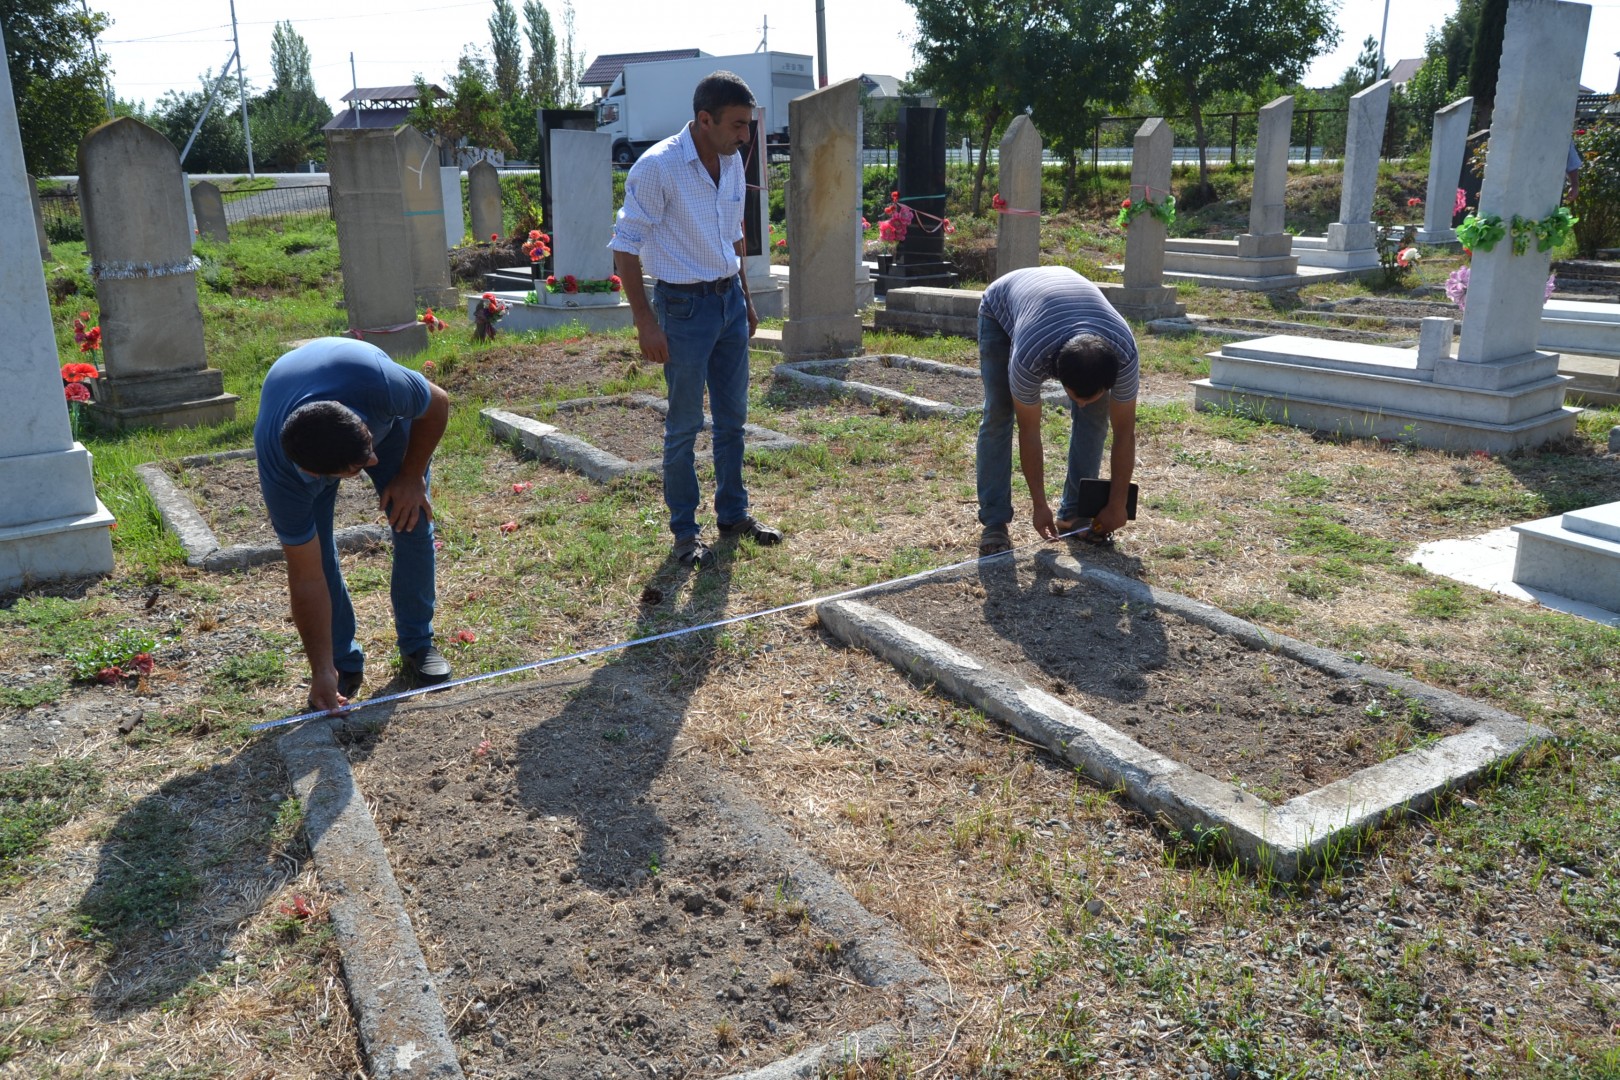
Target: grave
{"points": [[52, 525], [1349, 243], [208, 210], [39, 221], [1018, 227], [822, 317], [1498, 393], [134, 205], [914, 386], [1576, 554], [424, 217], [374, 242], [484, 202], [582, 169], [1446, 150], [767, 293], [1282, 798], [1144, 294], [919, 258], [1260, 258], [627, 438], [455, 222], [237, 475]]}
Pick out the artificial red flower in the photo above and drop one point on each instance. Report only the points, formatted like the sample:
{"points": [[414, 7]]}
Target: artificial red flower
{"points": [[109, 675], [782, 243], [75, 373], [536, 253], [493, 237], [76, 391], [570, 284], [551, 279], [85, 315], [615, 283], [482, 749], [465, 637], [998, 202], [143, 663], [1414, 201], [520, 488], [1125, 204], [509, 526]]}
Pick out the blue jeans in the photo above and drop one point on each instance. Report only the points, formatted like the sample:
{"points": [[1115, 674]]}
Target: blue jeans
{"points": [[993, 460], [708, 346], [411, 587]]}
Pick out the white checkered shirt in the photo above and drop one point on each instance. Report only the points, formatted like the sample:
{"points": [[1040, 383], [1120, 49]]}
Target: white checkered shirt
{"points": [[682, 224]]}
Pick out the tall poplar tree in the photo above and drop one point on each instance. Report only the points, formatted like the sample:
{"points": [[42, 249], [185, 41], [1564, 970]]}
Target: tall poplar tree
{"points": [[507, 46], [542, 53]]}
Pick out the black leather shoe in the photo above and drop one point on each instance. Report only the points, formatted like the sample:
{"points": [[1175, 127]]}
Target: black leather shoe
{"points": [[428, 667], [350, 682]]}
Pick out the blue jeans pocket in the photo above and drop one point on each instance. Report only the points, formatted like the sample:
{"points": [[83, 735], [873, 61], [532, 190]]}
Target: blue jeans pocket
{"points": [[676, 306]]}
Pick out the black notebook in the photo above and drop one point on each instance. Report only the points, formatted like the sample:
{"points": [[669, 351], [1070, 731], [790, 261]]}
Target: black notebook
{"points": [[1094, 496]]}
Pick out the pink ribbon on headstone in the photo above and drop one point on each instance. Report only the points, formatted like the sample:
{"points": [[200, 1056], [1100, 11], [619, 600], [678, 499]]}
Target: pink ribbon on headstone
{"points": [[360, 335]]}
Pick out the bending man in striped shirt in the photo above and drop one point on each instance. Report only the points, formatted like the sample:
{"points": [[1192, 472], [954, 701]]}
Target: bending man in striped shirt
{"points": [[682, 221], [1040, 323]]}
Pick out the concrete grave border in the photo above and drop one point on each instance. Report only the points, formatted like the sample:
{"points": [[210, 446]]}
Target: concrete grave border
{"points": [[1285, 840], [547, 442], [802, 372], [400, 1015], [1240, 330], [202, 547]]}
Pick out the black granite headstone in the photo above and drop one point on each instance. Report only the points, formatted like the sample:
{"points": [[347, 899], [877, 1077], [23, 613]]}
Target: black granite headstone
{"points": [[1470, 181], [919, 259], [754, 176]]}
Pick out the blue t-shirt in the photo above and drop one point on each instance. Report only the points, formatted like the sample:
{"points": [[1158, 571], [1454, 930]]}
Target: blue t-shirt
{"points": [[352, 373]]}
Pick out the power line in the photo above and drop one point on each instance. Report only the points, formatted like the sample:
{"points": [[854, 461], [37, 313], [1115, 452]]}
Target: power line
{"points": [[160, 37]]}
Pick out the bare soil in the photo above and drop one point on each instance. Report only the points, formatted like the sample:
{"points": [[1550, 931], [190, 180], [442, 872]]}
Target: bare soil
{"points": [[632, 432], [583, 914], [578, 367], [1296, 327], [965, 389], [226, 494], [1387, 308], [1275, 725]]}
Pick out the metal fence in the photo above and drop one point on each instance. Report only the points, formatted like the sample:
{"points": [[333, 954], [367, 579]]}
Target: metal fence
{"points": [[64, 222]]}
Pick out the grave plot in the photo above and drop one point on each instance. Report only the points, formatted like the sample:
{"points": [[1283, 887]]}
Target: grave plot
{"points": [[613, 436], [1386, 311], [588, 904], [918, 387], [1231, 328], [212, 503], [539, 371], [1286, 752]]}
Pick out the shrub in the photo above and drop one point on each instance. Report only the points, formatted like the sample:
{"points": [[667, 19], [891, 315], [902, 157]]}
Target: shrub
{"points": [[1598, 205]]}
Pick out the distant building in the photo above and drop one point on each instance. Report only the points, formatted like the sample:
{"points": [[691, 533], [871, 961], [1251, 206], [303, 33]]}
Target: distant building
{"points": [[381, 106], [607, 67], [1402, 72], [880, 87]]}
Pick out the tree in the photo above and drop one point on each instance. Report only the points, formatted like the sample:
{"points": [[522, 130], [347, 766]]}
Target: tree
{"points": [[543, 82], [219, 146], [1199, 48], [1454, 40], [1366, 70], [507, 47], [573, 63], [287, 118], [1487, 57], [473, 113], [56, 79], [289, 62]]}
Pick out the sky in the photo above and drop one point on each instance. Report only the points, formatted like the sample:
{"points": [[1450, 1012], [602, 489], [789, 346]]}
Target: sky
{"points": [[159, 45]]}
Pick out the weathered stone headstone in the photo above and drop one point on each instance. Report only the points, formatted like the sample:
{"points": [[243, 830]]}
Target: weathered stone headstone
{"points": [[1543, 43], [484, 201], [424, 216], [919, 259], [582, 168], [39, 220], [52, 526], [374, 243], [822, 321], [1445, 167], [209, 206], [1018, 232], [455, 222], [1144, 294], [134, 207], [1350, 240]]}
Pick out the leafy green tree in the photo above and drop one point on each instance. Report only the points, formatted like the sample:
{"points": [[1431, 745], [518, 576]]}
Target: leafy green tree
{"points": [[289, 61], [543, 75], [1454, 39], [1366, 70], [287, 118], [473, 113], [1487, 57], [1199, 48], [506, 44], [56, 79], [219, 146]]}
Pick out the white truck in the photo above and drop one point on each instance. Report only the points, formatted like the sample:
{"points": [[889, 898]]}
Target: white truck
{"points": [[650, 102]]}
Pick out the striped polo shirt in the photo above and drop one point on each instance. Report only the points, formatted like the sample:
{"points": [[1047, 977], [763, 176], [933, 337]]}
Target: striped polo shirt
{"points": [[682, 225], [1040, 308]]}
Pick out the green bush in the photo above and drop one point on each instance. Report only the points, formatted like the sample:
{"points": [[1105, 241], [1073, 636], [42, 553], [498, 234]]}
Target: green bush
{"points": [[1598, 205]]}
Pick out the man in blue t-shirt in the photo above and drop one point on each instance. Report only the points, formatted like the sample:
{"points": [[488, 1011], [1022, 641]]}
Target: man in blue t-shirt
{"points": [[330, 410], [1048, 322]]}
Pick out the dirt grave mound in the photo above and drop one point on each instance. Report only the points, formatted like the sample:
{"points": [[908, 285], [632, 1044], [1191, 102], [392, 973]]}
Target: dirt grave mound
{"points": [[226, 494]]}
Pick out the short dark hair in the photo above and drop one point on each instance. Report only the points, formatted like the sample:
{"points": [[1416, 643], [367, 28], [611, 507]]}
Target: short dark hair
{"points": [[719, 91], [1088, 364], [325, 438]]}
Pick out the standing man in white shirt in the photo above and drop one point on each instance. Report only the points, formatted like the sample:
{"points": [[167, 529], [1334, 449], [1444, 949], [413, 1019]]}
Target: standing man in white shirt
{"points": [[682, 221]]}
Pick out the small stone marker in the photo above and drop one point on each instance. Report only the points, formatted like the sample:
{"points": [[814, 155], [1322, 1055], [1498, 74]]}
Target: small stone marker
{"points": [[1352, 236], [1434, 341], [209, 207], [424, 217], [134, 207], [1144, 294], [822, 321], [1018, 232], [1445, 166], [374, 243], [52, 526], [39, 221], [484, 201]]}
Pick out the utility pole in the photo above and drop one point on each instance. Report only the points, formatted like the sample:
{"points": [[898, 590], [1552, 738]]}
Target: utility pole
{"points": [[821, 40], [354, 106], [1383, 31], [241, 89], [106, 83], [765, 36]]}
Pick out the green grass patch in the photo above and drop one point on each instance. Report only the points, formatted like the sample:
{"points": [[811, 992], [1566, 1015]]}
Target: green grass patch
{"points": [[36, 799]]}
